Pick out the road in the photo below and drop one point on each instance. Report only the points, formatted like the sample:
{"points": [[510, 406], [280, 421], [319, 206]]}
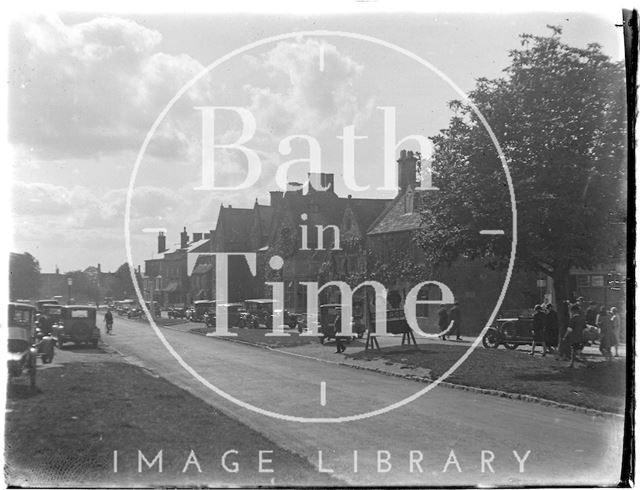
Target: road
{"points": [[410, 445]]}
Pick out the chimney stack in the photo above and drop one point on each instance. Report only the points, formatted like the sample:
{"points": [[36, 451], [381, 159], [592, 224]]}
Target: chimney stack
{"points": [[321, 182], [276, 199], [197, 237], [407, 170], [162, 242], [184, 238]]}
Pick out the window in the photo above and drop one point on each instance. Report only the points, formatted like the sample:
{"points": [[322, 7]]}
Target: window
{"points": [[582, 281], [79, 313], [22, 316]]}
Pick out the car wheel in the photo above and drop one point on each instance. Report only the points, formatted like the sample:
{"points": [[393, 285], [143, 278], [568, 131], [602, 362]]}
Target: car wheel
{"points": [[490, 340]]}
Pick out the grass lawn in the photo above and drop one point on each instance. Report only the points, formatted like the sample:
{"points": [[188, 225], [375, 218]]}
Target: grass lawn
{"points": [[257, 336], [598, 386], [64, 434]]}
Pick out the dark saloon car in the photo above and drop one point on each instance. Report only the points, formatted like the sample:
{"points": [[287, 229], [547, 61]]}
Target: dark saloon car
{"points": [[78, 325]]}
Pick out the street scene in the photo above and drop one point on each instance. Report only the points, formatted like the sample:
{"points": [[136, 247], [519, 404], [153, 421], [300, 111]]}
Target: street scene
{"points": [[309, 250]]}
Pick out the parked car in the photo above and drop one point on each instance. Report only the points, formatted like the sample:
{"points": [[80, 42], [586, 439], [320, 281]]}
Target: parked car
{"points": [[237, 316], [511, 329], [77, 324], [22, 356], [177, 311], [50, 314], [200, 307], [261, 313], [41, 303]]}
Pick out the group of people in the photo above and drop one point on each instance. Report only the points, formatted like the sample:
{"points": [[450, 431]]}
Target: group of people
{"points": [[450, 322], [544, 329], [580, 327]]}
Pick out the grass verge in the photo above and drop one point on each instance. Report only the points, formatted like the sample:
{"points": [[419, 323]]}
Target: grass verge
{"points": [[599, 385], [65, 434], [257, 336]]}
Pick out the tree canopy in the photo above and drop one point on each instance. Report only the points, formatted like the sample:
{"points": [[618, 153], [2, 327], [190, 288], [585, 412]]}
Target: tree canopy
{"points": [[24, 276], [559, 115]]}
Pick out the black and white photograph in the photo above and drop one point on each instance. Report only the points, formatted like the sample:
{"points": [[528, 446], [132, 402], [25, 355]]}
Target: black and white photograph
{"points": [[341, 244]]}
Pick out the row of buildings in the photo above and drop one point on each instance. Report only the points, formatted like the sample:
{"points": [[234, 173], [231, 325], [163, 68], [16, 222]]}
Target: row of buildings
{"points": [[321, 237]]}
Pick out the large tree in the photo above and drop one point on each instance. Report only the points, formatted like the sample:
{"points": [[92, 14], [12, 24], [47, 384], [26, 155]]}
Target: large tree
{"points": [[24, 276], [559, 115], [122, 287]]}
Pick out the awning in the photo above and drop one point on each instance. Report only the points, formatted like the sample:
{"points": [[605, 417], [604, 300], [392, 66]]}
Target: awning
{"points": [[171, 287]]}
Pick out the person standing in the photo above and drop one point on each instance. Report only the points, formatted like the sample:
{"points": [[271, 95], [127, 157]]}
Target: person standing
{"points": [[456, 320], [539, 330], [573, 336], [604, 324], [108, 320], [615, 328], [591, 315], [552, 327], [443, 321], [337, 327]]}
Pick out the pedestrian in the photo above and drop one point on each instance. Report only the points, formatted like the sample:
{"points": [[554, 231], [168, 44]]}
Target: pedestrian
{"points": [[108, 320], [456, 320], [443, 321], [552, 328], [574, 334], [604, 324], [591, 315], [340, 347], [538, 330], [564, 349], [615, 328]]}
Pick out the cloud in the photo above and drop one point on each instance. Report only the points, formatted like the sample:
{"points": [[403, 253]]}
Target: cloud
{"points": [[81, 207], [309, 100], [41, 199], [96, 86]]}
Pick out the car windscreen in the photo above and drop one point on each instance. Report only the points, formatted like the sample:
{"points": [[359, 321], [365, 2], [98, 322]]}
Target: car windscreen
{"points": [[52, 311]]}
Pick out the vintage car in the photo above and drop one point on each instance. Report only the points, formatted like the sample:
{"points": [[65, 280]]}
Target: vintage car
{"points": [[78, 325], [50, 314], [41, 303], [177, 311], [23, 353], [261, 313], [237, 316], [201, 307], [511, 329]]}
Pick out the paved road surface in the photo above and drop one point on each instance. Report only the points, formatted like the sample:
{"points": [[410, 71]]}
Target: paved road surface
{"points": [[565, 447]]}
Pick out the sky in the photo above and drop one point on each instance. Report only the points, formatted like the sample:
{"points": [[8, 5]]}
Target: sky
{"points": [[85, 90]]}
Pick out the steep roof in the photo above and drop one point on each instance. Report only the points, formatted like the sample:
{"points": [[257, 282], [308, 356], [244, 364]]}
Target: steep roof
{"points": [[235, 224], [367, 210], [395, 218]]}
